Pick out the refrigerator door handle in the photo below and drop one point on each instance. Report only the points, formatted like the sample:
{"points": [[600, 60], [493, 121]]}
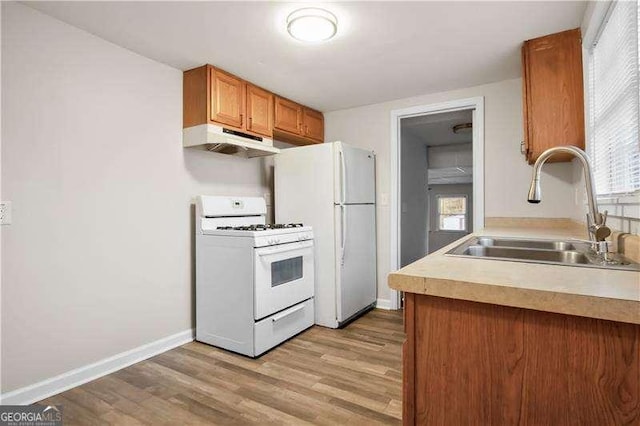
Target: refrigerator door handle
{"points": [[343, 183], [343, 226]]}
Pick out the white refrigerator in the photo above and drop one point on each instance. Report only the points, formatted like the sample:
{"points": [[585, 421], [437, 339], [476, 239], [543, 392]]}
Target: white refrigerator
{"points": [[331, 186]]}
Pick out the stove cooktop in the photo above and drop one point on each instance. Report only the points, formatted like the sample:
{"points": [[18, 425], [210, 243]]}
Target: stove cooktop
{"points": [[260, 227]]}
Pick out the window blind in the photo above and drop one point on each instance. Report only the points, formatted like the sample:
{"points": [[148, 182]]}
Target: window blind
{"points": [[614, 98]]}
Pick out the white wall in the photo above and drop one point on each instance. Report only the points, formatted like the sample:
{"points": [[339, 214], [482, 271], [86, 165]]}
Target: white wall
{"points": [[413, 198], [507, 174], [98, 259]]}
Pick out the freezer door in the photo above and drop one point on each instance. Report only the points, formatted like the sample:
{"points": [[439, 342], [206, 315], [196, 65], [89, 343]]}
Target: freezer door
{"points": [[356, 258], [355, 175]]}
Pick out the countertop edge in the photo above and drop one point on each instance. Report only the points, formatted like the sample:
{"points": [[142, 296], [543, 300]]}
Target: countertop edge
{"points": [[619, 310], [498, 290]]}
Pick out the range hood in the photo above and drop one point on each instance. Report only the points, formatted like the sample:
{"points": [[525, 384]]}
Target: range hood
{"points": [[225, 141]]}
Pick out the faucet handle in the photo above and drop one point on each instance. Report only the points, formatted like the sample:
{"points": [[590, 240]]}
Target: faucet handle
{"points": [[598, 232], [602, 232]]}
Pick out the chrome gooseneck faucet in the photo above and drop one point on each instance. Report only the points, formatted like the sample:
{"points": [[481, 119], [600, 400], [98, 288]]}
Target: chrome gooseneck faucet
{"points": [[595, 220]]}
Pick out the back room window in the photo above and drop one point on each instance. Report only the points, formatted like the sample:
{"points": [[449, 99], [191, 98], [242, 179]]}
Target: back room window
{"points": [[452, 213]]}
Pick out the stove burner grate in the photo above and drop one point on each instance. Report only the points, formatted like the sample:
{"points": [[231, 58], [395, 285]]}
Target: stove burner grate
{"points": [[260, 227]]}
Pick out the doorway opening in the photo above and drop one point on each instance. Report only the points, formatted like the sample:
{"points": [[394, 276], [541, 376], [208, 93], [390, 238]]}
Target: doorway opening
{"points": [[437, 178], [436, 182]]}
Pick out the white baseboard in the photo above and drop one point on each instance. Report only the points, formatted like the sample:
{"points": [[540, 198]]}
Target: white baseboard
{"points": [[70, 379], [383, 304]]}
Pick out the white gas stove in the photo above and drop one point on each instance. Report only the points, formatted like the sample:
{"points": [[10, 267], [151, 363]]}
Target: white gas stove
{"points": [[265, 235], [254, 282]]}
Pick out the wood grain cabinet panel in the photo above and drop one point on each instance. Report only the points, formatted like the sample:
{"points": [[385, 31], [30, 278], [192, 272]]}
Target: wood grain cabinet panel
{"points": [[553, 93], [475, 363], [259, 110], [195, 97], [313, 124], [213, 96], [288, 116], [227, 98], [297, 124]]}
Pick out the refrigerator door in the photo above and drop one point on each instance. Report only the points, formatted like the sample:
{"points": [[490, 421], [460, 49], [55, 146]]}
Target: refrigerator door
{"points": [[355, 175], [355, 258]]}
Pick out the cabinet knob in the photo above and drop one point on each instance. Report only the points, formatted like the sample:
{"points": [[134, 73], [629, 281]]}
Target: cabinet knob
{"points": [[523, 148]]}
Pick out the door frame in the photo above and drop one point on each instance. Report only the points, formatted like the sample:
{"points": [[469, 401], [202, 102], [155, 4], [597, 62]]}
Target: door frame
{"points": [[477, 105]]}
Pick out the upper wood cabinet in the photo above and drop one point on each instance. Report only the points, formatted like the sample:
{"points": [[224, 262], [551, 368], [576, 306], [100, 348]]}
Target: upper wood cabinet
{"points": [[259, 110], [553, 94], [297, 124], [313, 124], [227, 98], [213, 96], [288, 115]]}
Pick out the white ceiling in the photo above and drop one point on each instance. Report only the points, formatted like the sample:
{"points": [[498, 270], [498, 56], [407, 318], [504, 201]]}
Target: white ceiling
{"points": [[384, 50], [437, 129]]}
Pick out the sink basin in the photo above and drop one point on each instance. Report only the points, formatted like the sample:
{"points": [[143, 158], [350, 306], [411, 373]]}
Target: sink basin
{"points": [[568, 253], [532, 244], [572, 257]]}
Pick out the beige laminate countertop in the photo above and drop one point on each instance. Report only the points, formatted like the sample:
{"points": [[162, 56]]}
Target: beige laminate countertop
{"points": [[588, 292]]}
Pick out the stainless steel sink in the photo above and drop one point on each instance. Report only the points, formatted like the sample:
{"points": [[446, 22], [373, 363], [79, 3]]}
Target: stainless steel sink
{"points": [[531, 244], [569, 253], [572, 257]]}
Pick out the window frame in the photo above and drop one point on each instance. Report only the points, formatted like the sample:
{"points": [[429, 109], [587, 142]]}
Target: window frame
{"points": [[466, 212], [596, 18]]}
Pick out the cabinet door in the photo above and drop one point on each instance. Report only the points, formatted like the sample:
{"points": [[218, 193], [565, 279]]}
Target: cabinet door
{"points": [[526, 147], [227, 98], [259, 111], [554, 103], [313, 124], [288, 116]]}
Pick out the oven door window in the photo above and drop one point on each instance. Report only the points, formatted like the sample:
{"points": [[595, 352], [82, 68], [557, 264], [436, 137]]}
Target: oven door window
{"points": [[286, 270]]}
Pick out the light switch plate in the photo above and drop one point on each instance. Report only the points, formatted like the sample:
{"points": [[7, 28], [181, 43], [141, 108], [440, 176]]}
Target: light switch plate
{"points": [[5, 213]]}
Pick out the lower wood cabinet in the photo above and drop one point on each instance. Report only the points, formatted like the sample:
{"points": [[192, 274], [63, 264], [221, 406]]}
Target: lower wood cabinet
{"points": [[475, 363]]}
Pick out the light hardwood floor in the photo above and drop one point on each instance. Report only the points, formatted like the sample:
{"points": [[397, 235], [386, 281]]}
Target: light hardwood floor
{"points": [[322, 376]]}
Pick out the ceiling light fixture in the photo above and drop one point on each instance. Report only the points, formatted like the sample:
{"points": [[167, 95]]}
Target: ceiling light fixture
{"points": [[462, 128], [312, 24]]}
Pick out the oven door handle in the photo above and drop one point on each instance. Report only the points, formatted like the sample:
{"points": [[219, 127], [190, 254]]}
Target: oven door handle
{"points": [[286, 313], [298, 246]]}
